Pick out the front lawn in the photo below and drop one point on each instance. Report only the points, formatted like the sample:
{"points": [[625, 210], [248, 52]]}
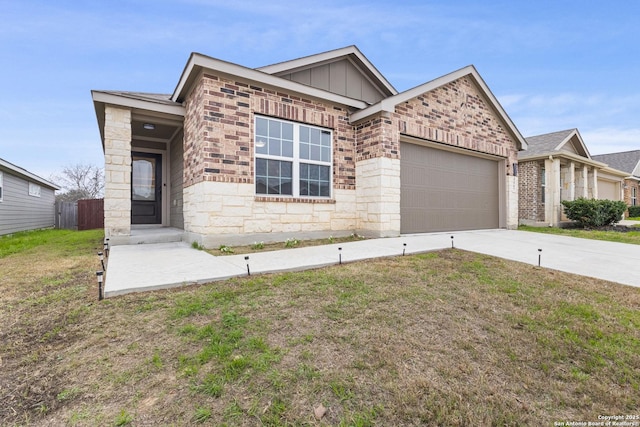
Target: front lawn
{"points": [[443, 338], [632, 237]]}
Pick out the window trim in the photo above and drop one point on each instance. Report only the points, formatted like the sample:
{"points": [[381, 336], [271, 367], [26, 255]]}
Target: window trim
{"points": [[634, 195], [1, 186], [295, 160], [35, 190], [543, 184]]}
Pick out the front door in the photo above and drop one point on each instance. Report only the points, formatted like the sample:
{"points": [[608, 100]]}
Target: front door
{"points": [[146, 188]]}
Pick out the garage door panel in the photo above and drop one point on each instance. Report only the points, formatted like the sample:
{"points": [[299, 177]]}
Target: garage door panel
{"points": [[445, 191]]}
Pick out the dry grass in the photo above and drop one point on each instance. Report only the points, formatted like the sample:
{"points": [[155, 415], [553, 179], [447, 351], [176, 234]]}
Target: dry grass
{"points": [[445, 338]]}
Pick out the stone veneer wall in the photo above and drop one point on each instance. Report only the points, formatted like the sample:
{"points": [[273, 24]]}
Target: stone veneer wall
{"points": [[117, 172]]}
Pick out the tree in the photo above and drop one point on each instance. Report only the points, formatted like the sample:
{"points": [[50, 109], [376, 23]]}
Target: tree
{"points": [[79, 181]]}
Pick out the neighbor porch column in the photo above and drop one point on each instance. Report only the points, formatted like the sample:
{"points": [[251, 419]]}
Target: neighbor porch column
{"points": [[585, 182], [594, 183], [572, 181], [117, 173]]}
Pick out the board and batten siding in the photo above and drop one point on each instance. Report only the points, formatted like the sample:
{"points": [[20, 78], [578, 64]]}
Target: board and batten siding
{"points": [[19, 211]]}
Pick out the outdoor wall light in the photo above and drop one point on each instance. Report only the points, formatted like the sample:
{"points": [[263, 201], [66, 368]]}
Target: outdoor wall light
{"points": [[149, 126], [99, 274]]}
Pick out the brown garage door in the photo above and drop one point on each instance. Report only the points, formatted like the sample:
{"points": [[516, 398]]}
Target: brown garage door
{"points": [[446, 191], [608, 190]]}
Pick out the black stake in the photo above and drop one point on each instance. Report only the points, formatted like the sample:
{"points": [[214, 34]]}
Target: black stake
{"points": [[451, 242], [101, 260], [99, 275], [539, 256], [246, 258], [404, 248], [340, 255]]}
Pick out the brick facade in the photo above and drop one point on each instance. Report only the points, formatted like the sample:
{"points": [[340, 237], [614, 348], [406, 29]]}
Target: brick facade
{"points": [[457, 114], [530, 205], [219, 129]]}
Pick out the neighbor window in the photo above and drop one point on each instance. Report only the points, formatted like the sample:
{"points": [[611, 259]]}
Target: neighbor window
{"points": [[1, 187], [292, 159], [634, 195], [34, 190]]}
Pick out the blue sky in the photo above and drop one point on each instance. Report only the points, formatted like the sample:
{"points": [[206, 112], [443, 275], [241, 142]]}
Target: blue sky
{"points": [[553, 65]]}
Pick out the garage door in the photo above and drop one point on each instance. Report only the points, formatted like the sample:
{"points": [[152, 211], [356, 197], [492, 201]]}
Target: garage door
{"points": [[608, 190], [446, 191]]}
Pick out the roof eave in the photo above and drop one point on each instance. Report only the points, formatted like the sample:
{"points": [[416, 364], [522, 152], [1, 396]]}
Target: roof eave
{"points": [[27, 175], [329, 56], [561, 154], [198, 62]]}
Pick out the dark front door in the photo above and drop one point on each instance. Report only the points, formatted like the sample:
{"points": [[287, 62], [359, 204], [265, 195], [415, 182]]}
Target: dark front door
{"points": [[146, 188]]}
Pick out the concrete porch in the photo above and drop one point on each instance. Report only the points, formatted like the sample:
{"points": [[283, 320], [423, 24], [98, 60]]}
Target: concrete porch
{"points": [[149, 234]]}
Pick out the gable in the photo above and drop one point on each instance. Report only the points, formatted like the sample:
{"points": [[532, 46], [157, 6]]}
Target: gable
{"points": [[341, 77], [471, 75], [569, 148], [458, 113]]}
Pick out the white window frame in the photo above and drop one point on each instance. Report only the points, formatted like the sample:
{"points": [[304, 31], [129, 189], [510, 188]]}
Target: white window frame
{"points": [[1, 186], [634, 195], [295, 160], [35, 190]]}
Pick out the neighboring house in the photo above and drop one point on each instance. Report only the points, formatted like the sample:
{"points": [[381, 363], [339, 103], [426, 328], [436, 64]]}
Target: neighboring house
{"points": [[628, 162], [27, 202], [321, 145], [557, 166]]}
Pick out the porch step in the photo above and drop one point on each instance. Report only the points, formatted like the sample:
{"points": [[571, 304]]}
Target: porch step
{"points": [[141, 236]]}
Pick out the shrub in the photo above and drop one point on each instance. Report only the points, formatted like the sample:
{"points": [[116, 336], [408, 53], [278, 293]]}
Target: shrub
{"points": [[591, 213], [634, 211]]}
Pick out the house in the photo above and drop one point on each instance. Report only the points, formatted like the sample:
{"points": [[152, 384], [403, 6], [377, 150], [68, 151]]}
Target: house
{"points": [[27, 202], [317, 146], [556, 167], [628, 162]]}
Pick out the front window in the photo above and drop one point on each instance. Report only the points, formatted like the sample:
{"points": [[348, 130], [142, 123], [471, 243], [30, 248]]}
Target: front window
{"points": [[634, 196], [292, 159]]}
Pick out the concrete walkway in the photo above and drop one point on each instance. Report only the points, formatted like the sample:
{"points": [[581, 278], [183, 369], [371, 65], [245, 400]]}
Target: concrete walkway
{"points": [[136, 268]]}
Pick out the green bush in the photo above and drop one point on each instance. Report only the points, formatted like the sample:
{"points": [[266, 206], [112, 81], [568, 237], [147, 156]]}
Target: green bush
{"points": [[592, 213], [634, 211]]}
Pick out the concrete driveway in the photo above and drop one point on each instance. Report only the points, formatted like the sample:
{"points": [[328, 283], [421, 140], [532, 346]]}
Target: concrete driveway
{"points": [[137, 268]]}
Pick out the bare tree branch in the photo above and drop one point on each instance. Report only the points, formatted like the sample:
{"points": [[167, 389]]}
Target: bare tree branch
{"points": [[79, 181]]}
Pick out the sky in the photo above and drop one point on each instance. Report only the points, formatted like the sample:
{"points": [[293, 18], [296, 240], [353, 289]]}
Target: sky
{"points": [[553, 65]]}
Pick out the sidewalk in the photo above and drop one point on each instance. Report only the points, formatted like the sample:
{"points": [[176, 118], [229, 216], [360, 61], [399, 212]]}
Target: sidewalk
{"points": [[136, 268]]}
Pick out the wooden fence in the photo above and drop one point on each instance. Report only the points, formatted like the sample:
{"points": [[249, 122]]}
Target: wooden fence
{"points": [[66, 215], [80, 215], [90, 214]]}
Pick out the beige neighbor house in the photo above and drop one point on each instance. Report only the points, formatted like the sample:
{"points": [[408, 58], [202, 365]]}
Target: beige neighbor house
{"points": [[557, 166], [317, 146], [628, 162]]}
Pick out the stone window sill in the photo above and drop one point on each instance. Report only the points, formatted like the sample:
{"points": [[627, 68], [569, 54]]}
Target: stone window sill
{"points": [[293, 200]]}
